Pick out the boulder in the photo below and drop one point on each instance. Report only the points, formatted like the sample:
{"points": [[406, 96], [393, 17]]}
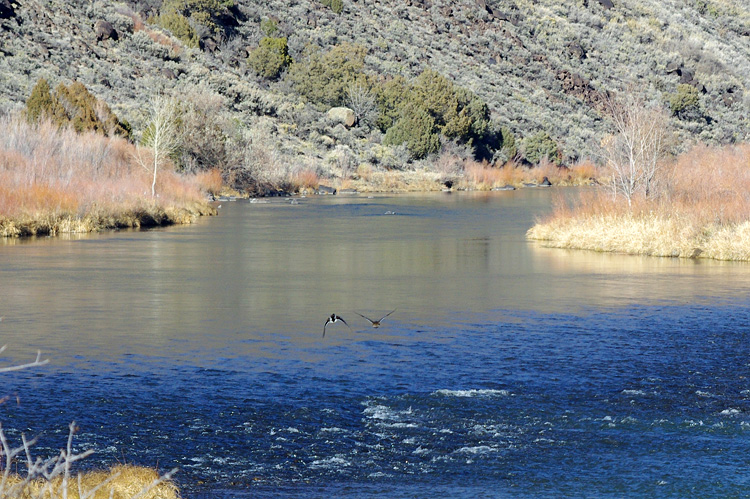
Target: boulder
{"points": [[576, 50], [342, 115], [104, 31], [209, 45], [324, 189], [579, 86], [673, 67], [730, 97], [686, 76], [168, 73]]}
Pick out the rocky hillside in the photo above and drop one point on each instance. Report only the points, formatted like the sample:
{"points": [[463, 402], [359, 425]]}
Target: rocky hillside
{"points": [[539, 65]]}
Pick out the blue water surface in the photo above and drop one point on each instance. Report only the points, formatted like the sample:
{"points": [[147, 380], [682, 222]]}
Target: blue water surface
{"points": [[650, 401], [507, 370]]}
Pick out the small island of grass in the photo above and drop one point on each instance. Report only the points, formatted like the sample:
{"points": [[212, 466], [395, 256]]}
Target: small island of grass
{"points": [[693, 206]]}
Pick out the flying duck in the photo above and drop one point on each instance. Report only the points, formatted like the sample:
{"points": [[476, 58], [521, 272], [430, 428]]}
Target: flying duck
{"points": [[376, 323], [333, 318]]}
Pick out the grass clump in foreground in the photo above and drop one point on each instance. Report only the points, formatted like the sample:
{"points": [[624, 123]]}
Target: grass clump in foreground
{"points": [[120, 482], [54, 180], [52, 478], [703, 211]]}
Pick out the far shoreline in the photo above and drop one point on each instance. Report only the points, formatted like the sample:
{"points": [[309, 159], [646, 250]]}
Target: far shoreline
{"points": [[151, 214]]}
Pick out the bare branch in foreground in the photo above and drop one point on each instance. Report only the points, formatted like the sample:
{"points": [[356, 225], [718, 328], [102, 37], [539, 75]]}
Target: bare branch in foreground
{"points": [[36, 363], [51, 478]]}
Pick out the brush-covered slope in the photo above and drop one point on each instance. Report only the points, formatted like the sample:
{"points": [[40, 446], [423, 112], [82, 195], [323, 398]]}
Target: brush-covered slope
{"points": [[540, 65]]}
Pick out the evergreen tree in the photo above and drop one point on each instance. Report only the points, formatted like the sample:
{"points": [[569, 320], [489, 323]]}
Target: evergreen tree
{"points": [[270, 58], [540, 146], [417, 129], [323, 78], [40, 104]]}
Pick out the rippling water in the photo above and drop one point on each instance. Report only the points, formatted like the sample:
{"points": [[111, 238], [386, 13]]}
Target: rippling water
{"points": [[507, 370]]}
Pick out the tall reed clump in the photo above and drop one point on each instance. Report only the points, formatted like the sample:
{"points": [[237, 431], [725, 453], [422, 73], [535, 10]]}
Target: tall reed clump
{"points": [[55, 180], [702, 211]]}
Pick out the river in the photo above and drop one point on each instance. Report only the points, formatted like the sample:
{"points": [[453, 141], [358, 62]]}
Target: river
{"points": [[506, 370]]}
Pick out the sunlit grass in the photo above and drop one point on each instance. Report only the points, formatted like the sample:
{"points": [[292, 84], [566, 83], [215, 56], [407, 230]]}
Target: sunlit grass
{"points": [[704, 212], [305, 180], [54, 181], [120, 482], [395, 181], [481, 176], [466, 175]]}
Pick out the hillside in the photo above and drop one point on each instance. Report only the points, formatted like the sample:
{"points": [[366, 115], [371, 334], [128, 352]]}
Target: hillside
{"points": [[540, 66]]}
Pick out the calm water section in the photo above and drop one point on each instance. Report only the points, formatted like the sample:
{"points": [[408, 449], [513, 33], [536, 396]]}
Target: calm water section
{"points": [[507, 369]]}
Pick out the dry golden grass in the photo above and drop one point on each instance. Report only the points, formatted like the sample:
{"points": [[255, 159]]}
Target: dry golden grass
{"points": [[481, 176], [121, 482], [305, 180], [54, 181], [704, 212], [395, 181], [465, 175], [210, 181]]}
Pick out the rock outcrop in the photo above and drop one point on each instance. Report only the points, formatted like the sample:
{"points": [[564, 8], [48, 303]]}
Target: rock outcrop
{"points": [[104, 31], [342, 115]]}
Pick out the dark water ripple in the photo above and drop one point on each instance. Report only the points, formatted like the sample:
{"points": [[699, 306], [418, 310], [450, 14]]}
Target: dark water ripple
{"points": [[640, 402]]}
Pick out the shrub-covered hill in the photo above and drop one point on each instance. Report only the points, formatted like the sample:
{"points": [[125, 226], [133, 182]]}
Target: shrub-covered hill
{"points": [[541, 67]]}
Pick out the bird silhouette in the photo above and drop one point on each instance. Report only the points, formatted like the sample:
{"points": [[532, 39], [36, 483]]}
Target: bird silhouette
{"points": [[376, 323], [331, 319]]}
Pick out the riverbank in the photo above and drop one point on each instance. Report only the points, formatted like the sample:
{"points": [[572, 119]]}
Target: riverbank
{"points": [[97, 219], [452, 173], [55, 181], [703, 213]]}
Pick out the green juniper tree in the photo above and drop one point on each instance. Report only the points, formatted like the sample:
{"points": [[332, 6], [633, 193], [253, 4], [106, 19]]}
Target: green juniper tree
{"points": [[270, 58]]}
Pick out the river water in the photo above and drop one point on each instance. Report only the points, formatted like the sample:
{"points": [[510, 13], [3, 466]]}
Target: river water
{"points": [[506, 370]]}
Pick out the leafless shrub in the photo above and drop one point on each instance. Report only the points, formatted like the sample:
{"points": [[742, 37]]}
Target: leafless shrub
{"points": [[636, 151], [162, 136], [262, 166], [343, 160], [362, 101], [207, 137]]}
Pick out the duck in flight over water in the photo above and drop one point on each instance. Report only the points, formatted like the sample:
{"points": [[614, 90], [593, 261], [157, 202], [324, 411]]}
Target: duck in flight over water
{"points": [[334, 318], [376, 323]]}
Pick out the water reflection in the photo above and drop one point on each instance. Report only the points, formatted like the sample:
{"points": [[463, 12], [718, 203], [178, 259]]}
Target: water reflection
{"points": [[276, 270], [617, 280]]}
